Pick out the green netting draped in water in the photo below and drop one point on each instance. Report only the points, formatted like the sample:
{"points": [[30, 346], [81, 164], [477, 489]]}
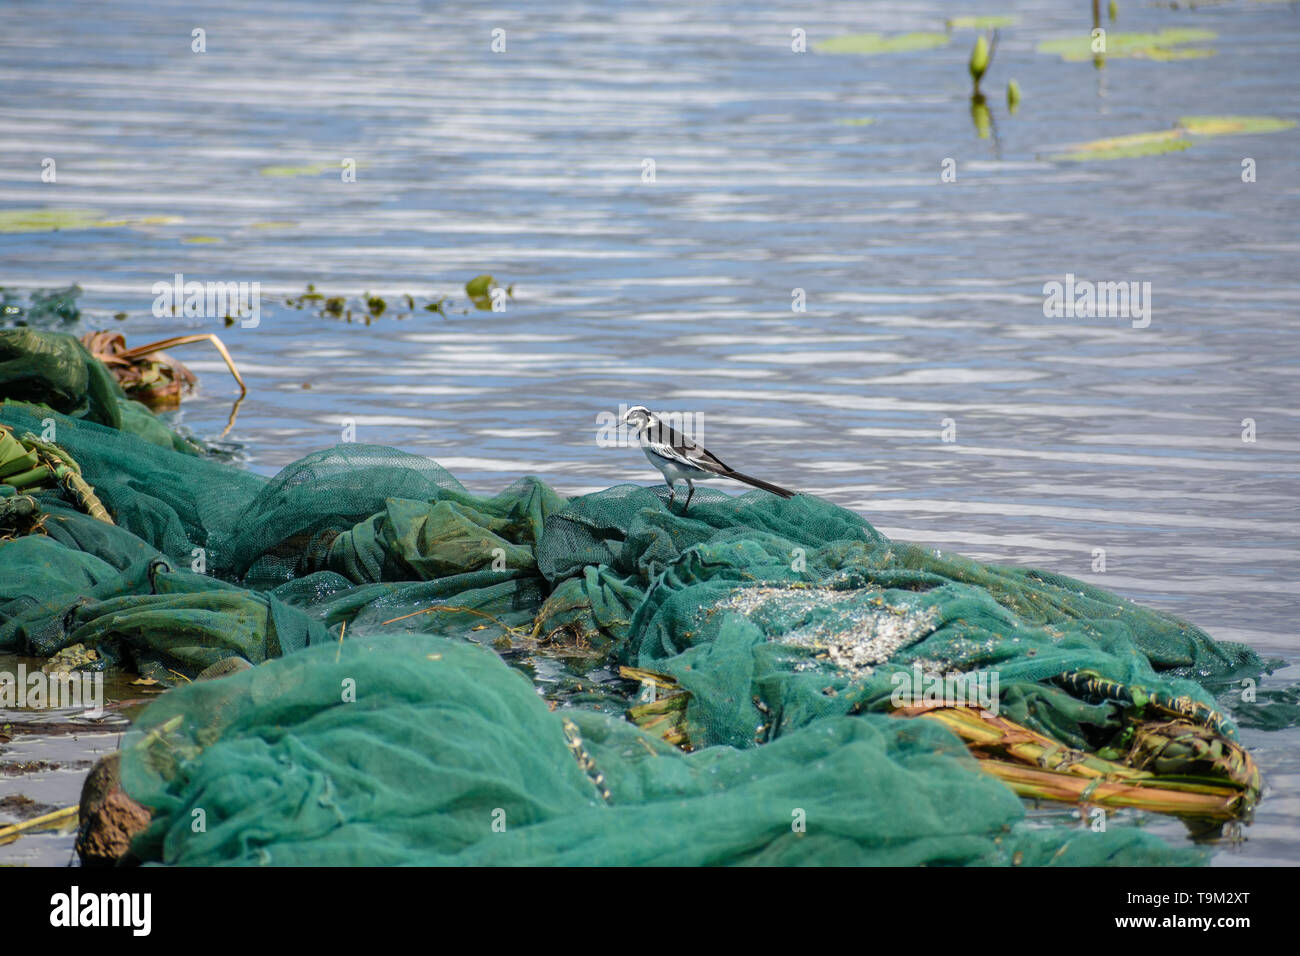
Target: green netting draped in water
{"points": [[446, 755], [491, 728], [55, 370]]}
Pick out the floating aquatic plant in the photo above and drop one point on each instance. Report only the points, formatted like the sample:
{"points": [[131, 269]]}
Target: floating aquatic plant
{"points": [[48, 220], [873, 43], [370, 307], [56, 220], [311, 169], [1171, 140], [979, 60], [480, 288], [1229, 125], [1165, 45], [162, 220], [980, 23], [1126, 147]]}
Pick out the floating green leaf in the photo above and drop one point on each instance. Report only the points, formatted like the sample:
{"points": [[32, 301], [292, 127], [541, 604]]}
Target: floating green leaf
{"points": [[48, 220], [857, 121], [1229, 125], [1172, 140], [980, 23], [315, 169], [1126, 147], [54, 220], [1151, 46], [162, 220], [479, 289], [1013, 96], [872, 43]]}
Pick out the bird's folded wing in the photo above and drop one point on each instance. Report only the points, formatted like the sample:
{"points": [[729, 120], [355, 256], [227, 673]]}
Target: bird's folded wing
{"points": [[692, 456]]}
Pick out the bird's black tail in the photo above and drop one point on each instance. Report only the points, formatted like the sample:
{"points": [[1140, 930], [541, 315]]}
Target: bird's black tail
{"points": [[760, 483]]}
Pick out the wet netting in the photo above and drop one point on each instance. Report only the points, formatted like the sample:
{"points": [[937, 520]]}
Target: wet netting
{"points": [[440, 677]]}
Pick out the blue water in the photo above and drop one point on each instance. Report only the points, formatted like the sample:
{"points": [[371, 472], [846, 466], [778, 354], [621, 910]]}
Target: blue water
{"points": [[924, 298]]}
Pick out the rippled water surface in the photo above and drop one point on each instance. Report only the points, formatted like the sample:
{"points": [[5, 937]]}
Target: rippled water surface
{"points": [[924, 298]]}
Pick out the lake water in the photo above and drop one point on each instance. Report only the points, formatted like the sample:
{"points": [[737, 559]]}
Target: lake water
{"points": [[924, 298]]}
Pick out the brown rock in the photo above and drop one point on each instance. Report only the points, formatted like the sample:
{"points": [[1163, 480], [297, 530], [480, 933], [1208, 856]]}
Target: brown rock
{"points": [[109, 818]]}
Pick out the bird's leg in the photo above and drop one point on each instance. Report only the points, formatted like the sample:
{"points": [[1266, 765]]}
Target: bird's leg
{"points": [[691, 485], [672, 493]]}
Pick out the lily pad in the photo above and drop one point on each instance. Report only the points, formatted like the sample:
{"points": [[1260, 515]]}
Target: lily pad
{"points": [[980, 23], [54, 220], [1165, 45], [1171, 140], [314, 169], [201, 240], [1126, 147], [479, 289], [1229, 125], [857, 121], [139, 221], [48, 220], [872, 43]]}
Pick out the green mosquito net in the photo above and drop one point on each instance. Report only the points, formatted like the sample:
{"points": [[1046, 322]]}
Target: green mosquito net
{"points": [[524, 678]]}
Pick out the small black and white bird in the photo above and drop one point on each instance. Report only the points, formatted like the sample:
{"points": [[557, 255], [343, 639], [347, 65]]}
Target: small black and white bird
{"points": [[681, 459]]}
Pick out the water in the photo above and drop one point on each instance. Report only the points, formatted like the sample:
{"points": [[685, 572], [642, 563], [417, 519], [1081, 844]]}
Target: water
{"points": [[924, 298]]}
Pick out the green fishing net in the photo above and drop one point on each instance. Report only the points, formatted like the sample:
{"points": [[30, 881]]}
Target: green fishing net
{"points": [[428, 750], [444, 677], [55, 370]]}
